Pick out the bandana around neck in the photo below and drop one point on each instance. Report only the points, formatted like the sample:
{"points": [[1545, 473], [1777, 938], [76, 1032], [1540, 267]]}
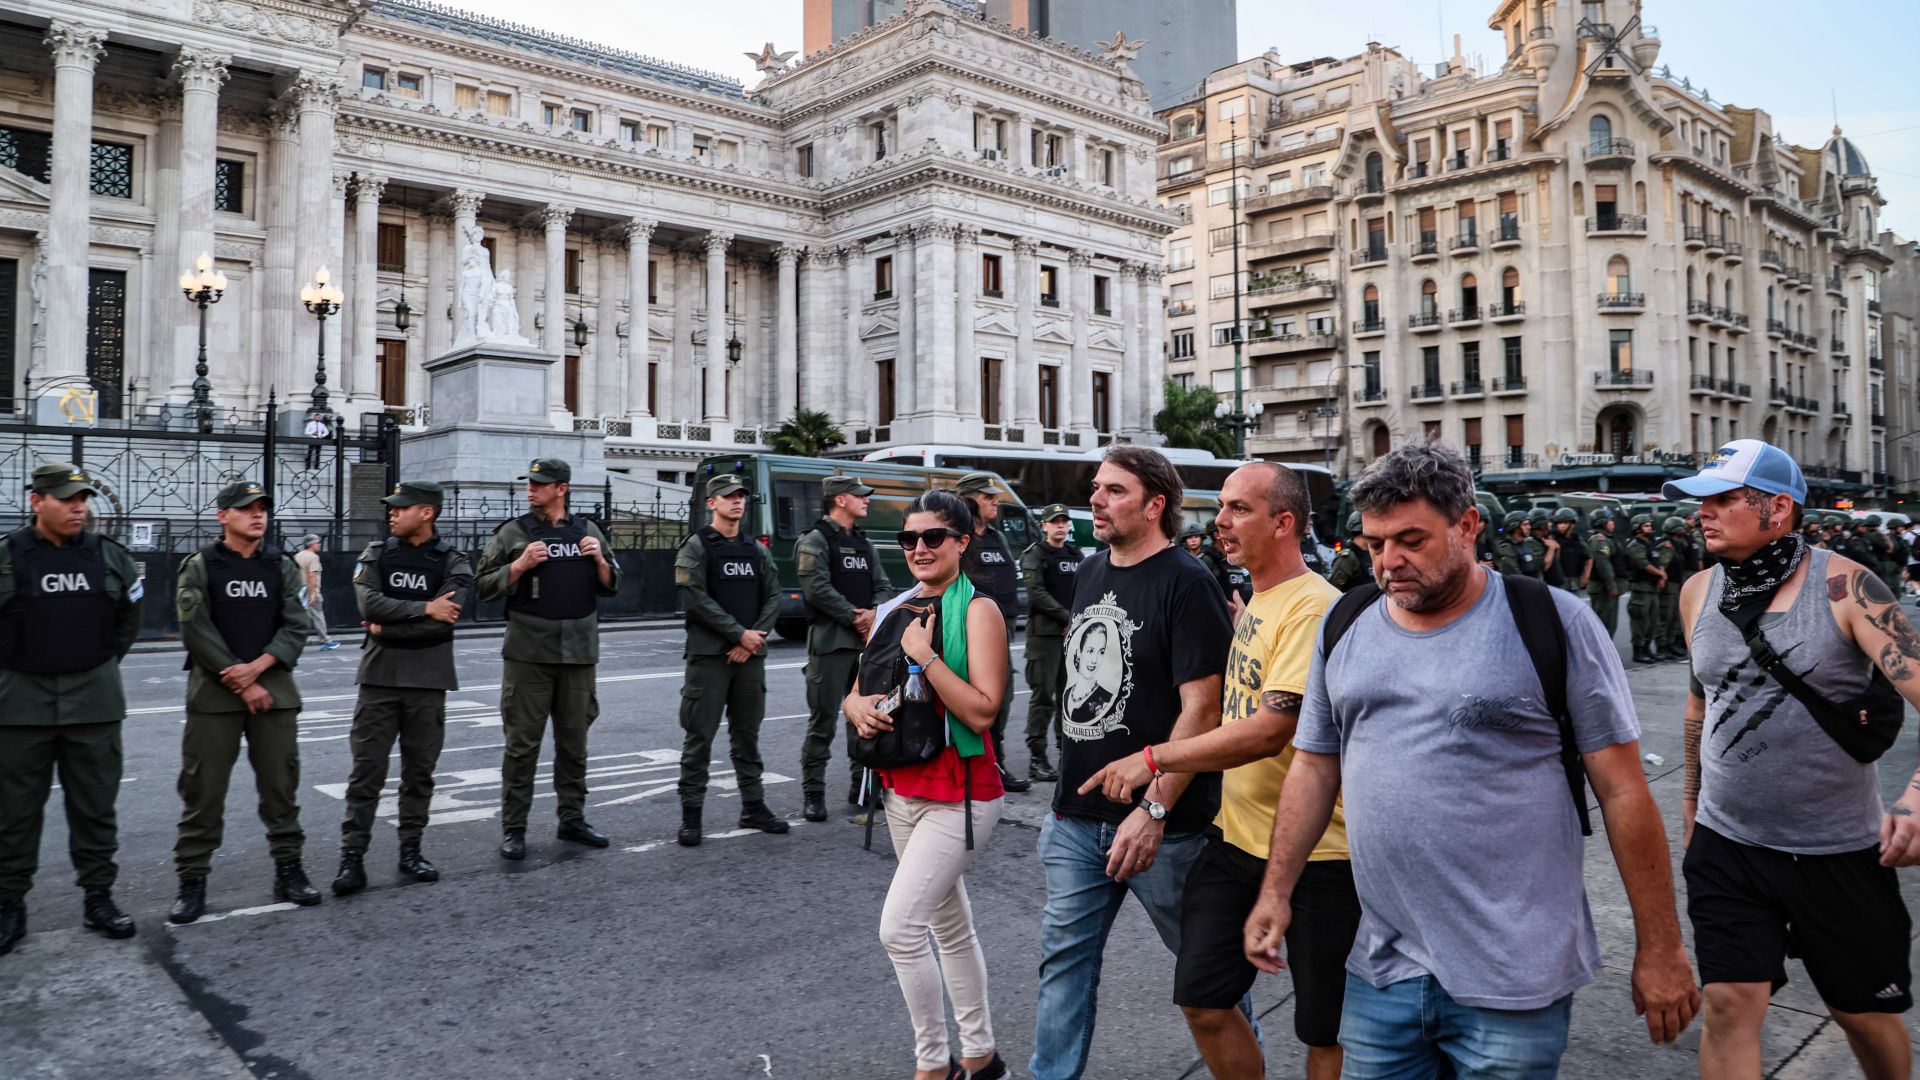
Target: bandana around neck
{"points": [[1751, 583]]}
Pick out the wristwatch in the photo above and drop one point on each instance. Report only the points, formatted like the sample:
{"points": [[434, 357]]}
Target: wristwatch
{"points": [[1156, 811]]}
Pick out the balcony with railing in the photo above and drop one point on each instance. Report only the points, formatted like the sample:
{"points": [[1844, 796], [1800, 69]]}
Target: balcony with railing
{"points": [[1368, 256], [1702, 385], [1467, 242], [1738, 323], [1837, 347], [1841, 408], [1696, 237], [1467, 316], [1283, 153], [1422, 322], [1738, 391], [1370, 395], [1625, 379], [1873, 307], [1876, 362], [1616, 224], [1771, 260], [1732, 252], [1177, 308], [1425, 248], [1622, 303], [1507, 236], [1699, 311], [1878, 420], [1720, 317], [1467, 388], [1294, 245], [1776, 328], [1513, 459], [1284, 200], [1513, 384], [1608, 151], [1291, 394], [1367, 191], [1265, 290], [1716, 245], [1836, 284], [1428, 392], [1500, 312], [1270, 344], [1369, 327]]}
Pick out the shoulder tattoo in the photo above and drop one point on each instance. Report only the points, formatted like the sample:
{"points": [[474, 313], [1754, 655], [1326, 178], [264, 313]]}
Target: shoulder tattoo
{"points": [[1279, 701]]}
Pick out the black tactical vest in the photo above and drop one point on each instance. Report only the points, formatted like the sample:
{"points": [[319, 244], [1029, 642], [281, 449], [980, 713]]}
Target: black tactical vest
{"points": [[410, 572], [1525, 554], [1556, 572], [733, 575], [61, 619], [563, 587], [1573, 555], [1060, 569], [1622, 566], [849, 565], [243, 598], [990, 566]]}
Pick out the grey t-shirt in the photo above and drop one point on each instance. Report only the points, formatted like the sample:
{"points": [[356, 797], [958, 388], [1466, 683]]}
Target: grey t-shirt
{"points": [[1466, 849]]}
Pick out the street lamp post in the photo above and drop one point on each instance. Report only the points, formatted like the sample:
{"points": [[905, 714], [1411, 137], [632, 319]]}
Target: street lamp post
{"points": [[203, 286], [322, 298], [1241, 421]]}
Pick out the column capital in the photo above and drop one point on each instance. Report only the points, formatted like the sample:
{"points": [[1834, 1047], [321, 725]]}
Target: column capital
{"points": [[367, 188], [340, 182], [437, 217], [283, 124], [76, 44], [823, 257], [201, 69], [640, 231], [466, 202], [852, 249], [788, 254], [314, 91], [1129, 270], [1079, 258], [716, 242], [1024, 247], [966, 235], [937, 230], [1152, 272], [555, 216]]}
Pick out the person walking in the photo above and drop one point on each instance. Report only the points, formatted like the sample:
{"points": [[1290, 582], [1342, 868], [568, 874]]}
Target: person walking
{"points": [[1789, 849], [1645, 579], [69, 611], [410, 589], [731, 596], [308, 560], [1263, 507], [1603, 577], [1146, 646], [244, 626], [990, 565], [1050, 567], [938, 656], [551, 566], [1464, 836], [842, 581]]}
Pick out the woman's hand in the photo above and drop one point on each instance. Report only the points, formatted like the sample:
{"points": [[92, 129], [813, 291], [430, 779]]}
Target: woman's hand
{"points": [[863, 712], [917, 640]]}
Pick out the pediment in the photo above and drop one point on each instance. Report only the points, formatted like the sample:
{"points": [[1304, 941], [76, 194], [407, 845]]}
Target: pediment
{"points": [[18, 187], [659, 328], [1054, 331], [877, 324], [994, 322], [1106, 338]]}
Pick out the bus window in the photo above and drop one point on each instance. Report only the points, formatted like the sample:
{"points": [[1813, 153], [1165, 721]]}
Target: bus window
{"points": [[886, 511], [796, 505], [1015, 527]]}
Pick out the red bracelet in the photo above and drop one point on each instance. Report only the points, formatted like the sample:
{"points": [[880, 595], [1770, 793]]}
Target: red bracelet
{"points": [[1151, 764]]}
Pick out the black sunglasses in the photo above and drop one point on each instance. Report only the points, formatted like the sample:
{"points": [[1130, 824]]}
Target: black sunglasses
{"points": [[934, 538]]}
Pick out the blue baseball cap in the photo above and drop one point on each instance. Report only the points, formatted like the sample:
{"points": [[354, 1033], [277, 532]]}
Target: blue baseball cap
{"points": [[1743, 463]]}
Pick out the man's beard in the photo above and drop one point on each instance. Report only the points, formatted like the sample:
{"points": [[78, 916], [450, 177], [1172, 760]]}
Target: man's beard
{"points": [[1439, 591]]}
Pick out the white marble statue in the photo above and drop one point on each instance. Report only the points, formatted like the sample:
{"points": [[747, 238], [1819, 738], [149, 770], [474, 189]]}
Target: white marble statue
{"points": [[474, 309], [503, 320]]}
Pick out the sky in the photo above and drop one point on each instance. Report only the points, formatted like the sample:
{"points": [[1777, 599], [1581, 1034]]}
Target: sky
{"points": [[1767, 54]]}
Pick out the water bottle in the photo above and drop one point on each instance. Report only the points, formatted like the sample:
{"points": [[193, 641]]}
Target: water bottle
{"points": [[916, 688]]}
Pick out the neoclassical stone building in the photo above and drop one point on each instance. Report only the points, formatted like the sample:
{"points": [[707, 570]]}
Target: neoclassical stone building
{"points": [[939, 229]]}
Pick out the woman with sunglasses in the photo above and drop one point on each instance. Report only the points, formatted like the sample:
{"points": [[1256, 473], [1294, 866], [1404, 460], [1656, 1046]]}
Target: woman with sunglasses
{"points": [[940, 812]]}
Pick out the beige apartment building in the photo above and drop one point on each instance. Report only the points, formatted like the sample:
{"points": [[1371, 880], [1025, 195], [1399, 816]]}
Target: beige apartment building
{"points": [[1577, 268]]}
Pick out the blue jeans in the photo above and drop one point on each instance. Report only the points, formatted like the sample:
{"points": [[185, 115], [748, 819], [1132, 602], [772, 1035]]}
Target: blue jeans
{"points": [[1412, 1030], [1082, 902]]}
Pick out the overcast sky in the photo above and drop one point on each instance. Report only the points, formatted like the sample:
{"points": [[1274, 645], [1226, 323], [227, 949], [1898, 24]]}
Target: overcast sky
{"points": [[1791, 59]]}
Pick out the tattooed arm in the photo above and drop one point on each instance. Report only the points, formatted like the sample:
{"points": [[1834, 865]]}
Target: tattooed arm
{"points": [[1263, 735], [1871, 615], [1692, 595]]}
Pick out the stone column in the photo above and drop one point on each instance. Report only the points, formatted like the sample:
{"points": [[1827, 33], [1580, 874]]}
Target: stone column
{"points": [[1076, 388], [966, 291], [436, 325], [748, 406], [934, 321], [1076, 156], [363, 379], [279, 299], [553, 337], [1022, 149], [200, 73], [337, 336], [906, 362], [847, 373], [466, 212], [1154, 302], [165, 363], [1146, 346], [607, 383], [529, 275], [1026, 371], [811, 339], [76, 49], [680, 400], [1126, 386], [639, 342], [717, 242], [316, 97], [786, 346]]}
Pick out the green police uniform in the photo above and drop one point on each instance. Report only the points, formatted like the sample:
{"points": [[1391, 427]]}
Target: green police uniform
{"points": [[839, 575], [232, 609], [68, 614], [405, 671], [727, 586], [1507, 555], [1352, 567], [1603, 586], [1050, 574], [990, 565], [551, 651], [1644, 592], [1668, 638]]}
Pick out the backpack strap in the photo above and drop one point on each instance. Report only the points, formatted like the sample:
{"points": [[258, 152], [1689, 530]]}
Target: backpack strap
{"points": [[1344, 612], [1538, 621]]}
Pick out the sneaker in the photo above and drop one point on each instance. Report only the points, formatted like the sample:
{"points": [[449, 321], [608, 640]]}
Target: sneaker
{"points": [[329, 646]]}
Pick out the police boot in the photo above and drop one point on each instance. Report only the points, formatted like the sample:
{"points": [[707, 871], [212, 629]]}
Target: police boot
{"points": [[755, 815], [353, 873], [1643, 654], [513, 845], [1039, 768], [1012, 782], [689, 826], [577, 831], [415, 865], [814, 808], [100, 913], [290, 884], [192, 901], [13, 924]]}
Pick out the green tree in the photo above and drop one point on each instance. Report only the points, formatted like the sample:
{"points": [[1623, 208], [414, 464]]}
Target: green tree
{"points": [[809, 433], [1188, 422]]}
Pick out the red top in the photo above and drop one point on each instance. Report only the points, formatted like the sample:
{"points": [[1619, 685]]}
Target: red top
{"points": [[943, 778]]}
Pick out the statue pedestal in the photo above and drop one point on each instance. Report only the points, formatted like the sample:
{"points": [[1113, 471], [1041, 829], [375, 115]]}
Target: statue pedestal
{"points": [[489, 384]]}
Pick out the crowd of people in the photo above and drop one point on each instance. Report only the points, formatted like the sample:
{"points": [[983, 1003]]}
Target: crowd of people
{"points": [[1284, 770]]}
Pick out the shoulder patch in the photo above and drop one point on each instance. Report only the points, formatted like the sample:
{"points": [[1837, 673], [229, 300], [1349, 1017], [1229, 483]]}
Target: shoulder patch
{"points": [[683, 575]]}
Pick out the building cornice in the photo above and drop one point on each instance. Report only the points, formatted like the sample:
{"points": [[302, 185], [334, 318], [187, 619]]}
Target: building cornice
{"points": [[958, 169], [967, 79]]}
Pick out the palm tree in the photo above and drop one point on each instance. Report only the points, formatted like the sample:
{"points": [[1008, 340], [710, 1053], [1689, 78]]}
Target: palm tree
{"points": [[809, 433], [1188, 422]]}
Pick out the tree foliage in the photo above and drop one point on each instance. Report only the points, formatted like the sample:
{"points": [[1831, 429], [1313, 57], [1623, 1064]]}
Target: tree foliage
{"points": [[1188, 422], [808, 433]]}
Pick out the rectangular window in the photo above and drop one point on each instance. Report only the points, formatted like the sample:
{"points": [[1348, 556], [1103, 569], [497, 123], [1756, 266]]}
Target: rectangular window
{"points": [[629, 131], [1620, 350], [1470, 437], [550, 114], [1370, 374], [1180, 254], [1102, 297], [1470, 361], [573, 271], [1233, 107], [883, 277], [1516, 435], [1103, 168], [1049, 396], [570, 382], [702, 146], [990, 276], [657, 134], [112, 174], [1511, 352], [1102, 401], [1223, 238], [466, 97], [803, 160], [883, 392], [229, 185], [1222, 194], [990, 390], [392, 243], [499, 104], [373, 78], [406, 85], [391, 363], [879, 134], [1049, 286], [1182, 345], [653, 281], [1430, 367]]}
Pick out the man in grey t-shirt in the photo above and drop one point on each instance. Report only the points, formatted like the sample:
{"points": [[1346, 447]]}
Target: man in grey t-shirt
{"points": [[1465, 842]]}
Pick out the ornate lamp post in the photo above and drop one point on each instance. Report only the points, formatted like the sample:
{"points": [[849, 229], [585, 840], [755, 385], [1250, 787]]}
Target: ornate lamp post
{"points": [[322, 299], [733, 348], [580, 330], [203, 286], [1239, 421], [402, 315]]}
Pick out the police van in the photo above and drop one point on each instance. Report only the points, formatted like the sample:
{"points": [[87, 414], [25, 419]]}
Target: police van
{"points": [[786, 501]]}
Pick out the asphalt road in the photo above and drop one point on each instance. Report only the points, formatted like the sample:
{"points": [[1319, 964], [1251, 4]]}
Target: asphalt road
{"points": [[752, 956]]}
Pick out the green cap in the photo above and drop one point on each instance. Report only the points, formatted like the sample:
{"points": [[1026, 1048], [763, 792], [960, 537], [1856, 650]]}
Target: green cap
{"points": [[1538, 513], [1675, 525], [724, 484], [977, 483], [549, 470], [416, 493], [241, 493], [61, 480], [1055, 510], [1873, 521], [843, 485]]}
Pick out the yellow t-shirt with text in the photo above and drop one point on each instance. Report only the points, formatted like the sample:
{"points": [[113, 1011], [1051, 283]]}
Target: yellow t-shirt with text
{"points": [[1272, 650]]}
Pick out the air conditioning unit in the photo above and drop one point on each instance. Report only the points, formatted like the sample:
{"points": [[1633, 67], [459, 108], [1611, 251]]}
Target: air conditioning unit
{"points": [[992, 155]]}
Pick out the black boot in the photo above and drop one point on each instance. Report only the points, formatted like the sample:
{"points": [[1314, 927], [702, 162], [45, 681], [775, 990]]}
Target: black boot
{"points": [[100, 913], [1012, 782], [755, 815], [690, 826], [513, 845], [192, 901], [577, 831], [814, 808], [290, 884], [415, 865], [353, 873], [1644, 655], [1039, 768], [13, 924]]}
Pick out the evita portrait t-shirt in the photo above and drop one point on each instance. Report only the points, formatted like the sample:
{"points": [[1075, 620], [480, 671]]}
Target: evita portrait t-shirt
{"points": [[1137, 633]]}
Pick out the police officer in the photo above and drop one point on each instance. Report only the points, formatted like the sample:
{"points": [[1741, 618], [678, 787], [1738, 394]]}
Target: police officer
{"points": [[1674, 554], [1535, 542], [1049, 567], [843, 582], [1194, 540], [410, 587], [1645, 576], [1880, 545], [1353, 566], [1571, 560], [990, 565], [69, 611], [732, 599], [551, 566], [1606, 568], [244, 623], [1510, 555]]}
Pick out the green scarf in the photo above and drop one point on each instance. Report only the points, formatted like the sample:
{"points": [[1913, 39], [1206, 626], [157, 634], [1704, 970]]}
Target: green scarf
{"points": [[953, 653]]}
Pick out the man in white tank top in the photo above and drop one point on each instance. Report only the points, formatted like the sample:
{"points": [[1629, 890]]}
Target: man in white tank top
{"points": [[1789, 850]]}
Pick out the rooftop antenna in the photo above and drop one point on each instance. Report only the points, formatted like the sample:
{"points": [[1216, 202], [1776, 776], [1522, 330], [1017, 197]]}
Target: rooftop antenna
{"points": [[1440, 18]]}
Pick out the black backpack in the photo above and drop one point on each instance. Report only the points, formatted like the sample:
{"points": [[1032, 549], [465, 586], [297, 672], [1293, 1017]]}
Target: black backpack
{"points": [[1538, 621]]}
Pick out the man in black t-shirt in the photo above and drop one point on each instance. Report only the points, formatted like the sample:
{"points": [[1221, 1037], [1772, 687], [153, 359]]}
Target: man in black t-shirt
{"points": [[1146, 648], [989, 563]]}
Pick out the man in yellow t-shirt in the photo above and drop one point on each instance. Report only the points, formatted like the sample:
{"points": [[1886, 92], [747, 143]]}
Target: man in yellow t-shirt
{"points": [[1263, 510]]}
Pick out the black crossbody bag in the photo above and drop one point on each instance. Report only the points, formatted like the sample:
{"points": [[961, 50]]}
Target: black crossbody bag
{"points": [[1865, 726]]}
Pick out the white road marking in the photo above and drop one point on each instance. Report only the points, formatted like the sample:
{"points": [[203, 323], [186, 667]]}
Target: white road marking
{"points": [[234, 914]]}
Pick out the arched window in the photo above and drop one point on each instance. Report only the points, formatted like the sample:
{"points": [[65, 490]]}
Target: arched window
{"points": [[1619, 275], [1429, 297], [1382, 442], [1600, 134], [1376, 172], [1509, 288], [1370, 305], [1469, 295]]}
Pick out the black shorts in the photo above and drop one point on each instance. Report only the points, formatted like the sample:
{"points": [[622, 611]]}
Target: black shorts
{"points": [[1841, 915], [1212, 971]]}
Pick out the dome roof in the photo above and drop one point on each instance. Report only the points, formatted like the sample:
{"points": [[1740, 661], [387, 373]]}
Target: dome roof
{"points": [[1843, 158]]}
